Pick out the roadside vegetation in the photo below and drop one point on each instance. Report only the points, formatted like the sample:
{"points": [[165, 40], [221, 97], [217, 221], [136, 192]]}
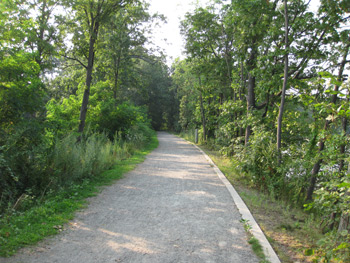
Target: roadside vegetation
{"points": [[291, 231], [295, 234], [80, 98], [36, 218], [266, 84]]}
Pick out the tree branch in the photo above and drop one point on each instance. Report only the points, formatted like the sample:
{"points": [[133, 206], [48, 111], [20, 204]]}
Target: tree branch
{"points": [[75, 59], [143, 58]]}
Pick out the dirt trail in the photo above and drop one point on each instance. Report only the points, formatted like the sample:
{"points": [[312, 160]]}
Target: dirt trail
{"points": [[171, 208]]}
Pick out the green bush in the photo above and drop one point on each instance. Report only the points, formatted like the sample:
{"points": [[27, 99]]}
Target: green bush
{"points": [[24, 158], [334, 247], [260, 159], [123, 119]]}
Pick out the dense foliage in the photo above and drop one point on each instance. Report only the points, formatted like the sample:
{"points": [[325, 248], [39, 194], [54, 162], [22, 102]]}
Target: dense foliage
{"points": [[266, 82], [79, 91]]}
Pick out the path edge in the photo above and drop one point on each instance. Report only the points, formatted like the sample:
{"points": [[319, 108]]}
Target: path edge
{"points": [[245, 212]]}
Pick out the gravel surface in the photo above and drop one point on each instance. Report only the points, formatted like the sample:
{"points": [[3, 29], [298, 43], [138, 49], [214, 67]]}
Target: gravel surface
{"points": [[171, 208]]}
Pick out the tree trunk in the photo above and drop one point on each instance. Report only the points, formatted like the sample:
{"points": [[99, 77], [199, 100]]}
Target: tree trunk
{"points": [[344, 119], [116, 76], [342, 147], [43, 19], [285, 81], [316, 168], [241, 97], [203, 118], [89, 68], [344, 223], [250, 105], [204, 123]]}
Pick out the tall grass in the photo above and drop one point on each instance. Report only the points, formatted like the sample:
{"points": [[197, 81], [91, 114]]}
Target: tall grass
{"points": [[51, 166], [74, 161]]}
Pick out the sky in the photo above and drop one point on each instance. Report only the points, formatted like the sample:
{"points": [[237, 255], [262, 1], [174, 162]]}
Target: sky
{"points": [[175, 11]]}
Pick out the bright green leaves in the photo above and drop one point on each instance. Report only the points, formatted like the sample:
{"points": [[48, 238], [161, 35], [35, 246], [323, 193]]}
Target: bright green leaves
{"points": [[20, 88], [202, 32]]}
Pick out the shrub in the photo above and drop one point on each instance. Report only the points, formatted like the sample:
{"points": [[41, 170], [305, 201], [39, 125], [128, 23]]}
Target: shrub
{"points": [[23, 161], [260, 159], [123, 118]]}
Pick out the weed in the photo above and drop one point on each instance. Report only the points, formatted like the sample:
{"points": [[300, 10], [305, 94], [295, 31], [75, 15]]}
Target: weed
{"points": [[258, 249], [256, 246]]}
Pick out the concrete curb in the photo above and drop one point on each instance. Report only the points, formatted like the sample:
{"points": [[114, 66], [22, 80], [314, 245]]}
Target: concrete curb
{"points": [[246, 215]]}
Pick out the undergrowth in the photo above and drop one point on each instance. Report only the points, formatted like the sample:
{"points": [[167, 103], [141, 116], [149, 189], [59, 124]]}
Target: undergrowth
{"points": [[294, 233], [290, 230], [46, 216]]}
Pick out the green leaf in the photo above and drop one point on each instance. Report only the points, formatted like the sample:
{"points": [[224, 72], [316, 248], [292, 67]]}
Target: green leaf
{"points": [[309, 252], [342, 246], [325, 74], [344, 233], [347, 185]]}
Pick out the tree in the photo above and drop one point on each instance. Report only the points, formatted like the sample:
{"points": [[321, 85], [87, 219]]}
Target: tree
{"points": [[46, 37], [91, 16], [122, 43], [335, 16], [285, 78]]}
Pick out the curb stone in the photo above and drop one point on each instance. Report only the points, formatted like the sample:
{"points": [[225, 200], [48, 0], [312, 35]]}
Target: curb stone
{"points": [[255, 230]]}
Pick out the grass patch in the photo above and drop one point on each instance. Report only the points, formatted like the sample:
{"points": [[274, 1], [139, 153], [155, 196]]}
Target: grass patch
{"points": [[290, 230], [19, 229], [258, 249], [254, 242]]}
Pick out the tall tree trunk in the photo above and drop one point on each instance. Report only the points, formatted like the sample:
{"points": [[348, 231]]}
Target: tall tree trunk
{"points": [[241, 97], [250, 105], [344, 119], [89, 68], [342, 147], [251, 87], [203, 117], [285, 81], [116, 76], [344, 223], [42, 22], [316, 168], [228, 60], [204, 123]]}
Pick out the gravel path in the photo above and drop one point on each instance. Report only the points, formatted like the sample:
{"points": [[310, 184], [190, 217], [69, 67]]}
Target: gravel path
{"points": [[171, 208]]}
